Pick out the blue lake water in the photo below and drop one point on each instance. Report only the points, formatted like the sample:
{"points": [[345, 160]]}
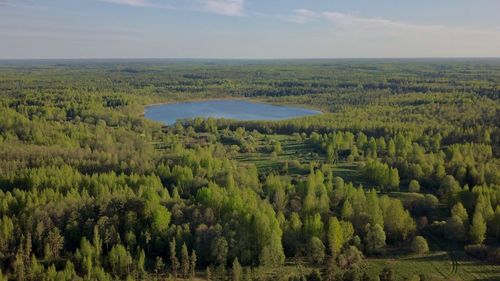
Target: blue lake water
{"points": [[227, 109]]}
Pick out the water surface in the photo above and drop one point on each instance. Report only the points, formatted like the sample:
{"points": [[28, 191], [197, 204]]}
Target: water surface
{"points": [[227, 109]]}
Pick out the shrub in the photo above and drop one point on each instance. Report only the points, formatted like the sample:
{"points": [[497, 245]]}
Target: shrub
{"points": [[478, 251], [419, 245], [350, 158], [317, 250], [414, 186], [315, 275], [494, 256]]}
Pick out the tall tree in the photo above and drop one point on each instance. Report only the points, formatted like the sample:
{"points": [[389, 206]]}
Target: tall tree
{"points": [[375, 239], [237, 270], [185, 264], [334, 236], [459, 211], [478, 228], [174, 261], [192, 267]]}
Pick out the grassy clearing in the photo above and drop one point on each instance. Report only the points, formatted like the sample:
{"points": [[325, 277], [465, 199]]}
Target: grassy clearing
{"points": [[350, 173], [438, 264], [293, 150]]}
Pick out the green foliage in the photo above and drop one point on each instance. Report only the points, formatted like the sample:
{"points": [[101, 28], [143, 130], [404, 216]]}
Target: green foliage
{"points": [[335, 236], [375, 239], [477, 229], [185, 264], [459, 211], [419, 245], [237, 270], [398, 222], [382, 174], [120, 260], [317, 199], [313, 226], [414, 186], [317, 250], [91, 190]]}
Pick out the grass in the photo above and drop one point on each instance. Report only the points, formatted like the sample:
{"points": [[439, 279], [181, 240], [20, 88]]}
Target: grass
{"points": [[439, 264], [351, 173], [447, 261], [292, 149]]}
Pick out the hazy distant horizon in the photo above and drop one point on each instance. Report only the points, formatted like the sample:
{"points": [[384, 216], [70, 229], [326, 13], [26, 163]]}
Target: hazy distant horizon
{"points": [[241, 59]]}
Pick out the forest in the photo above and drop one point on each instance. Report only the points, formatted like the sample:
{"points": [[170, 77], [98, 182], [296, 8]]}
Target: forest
{"points": [[398, 179]]}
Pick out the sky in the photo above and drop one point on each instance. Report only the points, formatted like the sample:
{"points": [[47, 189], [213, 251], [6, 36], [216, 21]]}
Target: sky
{"points": [[248, 29]]}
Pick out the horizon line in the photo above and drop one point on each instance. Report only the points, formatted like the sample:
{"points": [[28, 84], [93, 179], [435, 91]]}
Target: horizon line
{"points": [[247, 59]]}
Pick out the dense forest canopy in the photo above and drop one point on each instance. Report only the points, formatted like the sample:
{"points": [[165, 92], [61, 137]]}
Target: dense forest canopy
{"points": [[404, 161]]}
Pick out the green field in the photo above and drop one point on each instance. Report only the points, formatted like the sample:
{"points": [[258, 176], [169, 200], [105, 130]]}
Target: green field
{"points": [[438, 264]]}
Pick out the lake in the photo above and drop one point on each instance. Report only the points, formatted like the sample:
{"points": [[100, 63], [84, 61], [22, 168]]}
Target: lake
{"points": [[227, 109]]}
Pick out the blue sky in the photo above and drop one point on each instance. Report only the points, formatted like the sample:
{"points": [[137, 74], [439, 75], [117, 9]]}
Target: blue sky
{"points": [[249, 28]]}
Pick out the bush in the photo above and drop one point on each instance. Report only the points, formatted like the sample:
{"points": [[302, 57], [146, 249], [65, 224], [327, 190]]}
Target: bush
{"points": [[317, 250], [350, 158], [419, 245], [295, 164], [387, 274], [478, 251], [494, 256], [414, 186], [315, 275]]}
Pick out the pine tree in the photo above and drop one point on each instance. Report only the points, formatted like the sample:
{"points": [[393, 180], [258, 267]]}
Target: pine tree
{"points": [[237, 270], [185, 261], [347, 210], [459, 211], [334, 236], [394, 179], [140, 263], [97, 243], [478, 228], [208, 274], [159, 266], [496, 223], [174, 262], [192, 267]]}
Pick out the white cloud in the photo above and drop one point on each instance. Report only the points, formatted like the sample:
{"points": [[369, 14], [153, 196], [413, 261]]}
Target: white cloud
{"points": [[135, 3], [303, 16], [220, 7], [403, 29], [354, 21], [17, 3], [385, 37], [342, 18], [225, 7]]}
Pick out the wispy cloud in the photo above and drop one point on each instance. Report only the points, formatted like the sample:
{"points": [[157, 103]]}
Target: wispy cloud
{"points": [[225, 7], [367, 22], [303, 16], [18, 3], [220, 7], [388, 26], [400, 38], [135, 3]]}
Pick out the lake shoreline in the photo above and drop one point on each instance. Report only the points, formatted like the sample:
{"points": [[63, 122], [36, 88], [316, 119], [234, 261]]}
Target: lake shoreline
{"points": [[320, 111], [245, 105]]}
